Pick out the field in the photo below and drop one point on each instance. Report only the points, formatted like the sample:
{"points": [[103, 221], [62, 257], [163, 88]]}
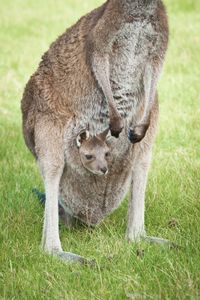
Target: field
{"points": [[124, 270]]}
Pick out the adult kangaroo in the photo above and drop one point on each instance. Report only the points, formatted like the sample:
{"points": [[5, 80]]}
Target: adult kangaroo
{"points": [[103, 71]]}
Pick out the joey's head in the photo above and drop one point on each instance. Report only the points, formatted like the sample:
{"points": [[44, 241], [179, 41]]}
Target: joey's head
{"points": [[94, 152]]}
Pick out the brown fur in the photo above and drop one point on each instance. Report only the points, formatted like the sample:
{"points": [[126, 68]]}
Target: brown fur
{"points": [[102, 71]]}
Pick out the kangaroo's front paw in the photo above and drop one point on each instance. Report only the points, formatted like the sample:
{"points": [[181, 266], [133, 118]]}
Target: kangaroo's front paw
{"points": [[134, 137], [136, 134], [116, 126]]}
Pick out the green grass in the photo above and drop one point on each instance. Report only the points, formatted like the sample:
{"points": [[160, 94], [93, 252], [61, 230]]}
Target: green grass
{"points": [[26, 30]]}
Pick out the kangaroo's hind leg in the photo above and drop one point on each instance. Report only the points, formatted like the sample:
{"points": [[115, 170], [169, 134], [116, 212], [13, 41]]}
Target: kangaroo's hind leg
{"points": [[136, 223], [136, 226], [50, 154], [68, 220]]}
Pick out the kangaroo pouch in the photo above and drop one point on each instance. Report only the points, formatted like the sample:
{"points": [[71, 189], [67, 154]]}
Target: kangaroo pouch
{"points": [[89, 197]]}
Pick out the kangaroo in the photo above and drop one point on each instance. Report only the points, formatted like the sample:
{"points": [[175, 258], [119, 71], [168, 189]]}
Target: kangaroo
{"points": [[102, 71]]}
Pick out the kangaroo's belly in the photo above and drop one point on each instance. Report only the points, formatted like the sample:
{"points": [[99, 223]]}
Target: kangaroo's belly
{"points": [[89, 197]]}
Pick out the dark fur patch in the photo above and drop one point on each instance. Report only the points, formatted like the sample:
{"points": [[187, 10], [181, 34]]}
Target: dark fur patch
{"points": [[137, 134]]}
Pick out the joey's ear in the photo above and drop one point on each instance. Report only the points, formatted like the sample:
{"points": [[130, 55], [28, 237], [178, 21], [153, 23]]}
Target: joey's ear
{"points": [[104, 134], [83, 136], [138, 133]]}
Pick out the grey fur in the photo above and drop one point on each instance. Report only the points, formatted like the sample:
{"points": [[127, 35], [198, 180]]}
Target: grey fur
{"points": [[102, 71]]}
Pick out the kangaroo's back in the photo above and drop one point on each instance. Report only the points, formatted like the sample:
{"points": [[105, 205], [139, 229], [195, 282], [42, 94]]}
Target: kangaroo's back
{"points": [[56, 86]]}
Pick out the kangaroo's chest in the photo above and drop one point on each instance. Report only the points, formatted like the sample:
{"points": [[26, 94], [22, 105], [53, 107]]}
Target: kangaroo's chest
{"points": [[131, 51]]}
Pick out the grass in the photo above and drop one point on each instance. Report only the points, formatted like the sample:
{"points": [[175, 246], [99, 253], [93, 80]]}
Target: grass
{"points": [[26, 30]]}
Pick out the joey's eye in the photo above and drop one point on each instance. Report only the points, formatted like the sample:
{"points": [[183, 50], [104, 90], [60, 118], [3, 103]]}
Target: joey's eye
{"points": [[107, 154], [89, 157]]}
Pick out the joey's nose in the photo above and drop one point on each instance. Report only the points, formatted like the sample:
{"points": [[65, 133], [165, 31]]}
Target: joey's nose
{"points": [[104, 170]]}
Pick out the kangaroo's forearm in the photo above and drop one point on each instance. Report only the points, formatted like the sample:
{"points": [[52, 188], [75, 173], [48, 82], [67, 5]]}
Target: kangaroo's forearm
{"points": [[100, 44]]}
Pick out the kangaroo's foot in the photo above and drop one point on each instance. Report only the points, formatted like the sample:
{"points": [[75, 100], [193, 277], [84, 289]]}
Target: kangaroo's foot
{"points": [[52, 246], [161, 241], [74, 258], [141, 236]]}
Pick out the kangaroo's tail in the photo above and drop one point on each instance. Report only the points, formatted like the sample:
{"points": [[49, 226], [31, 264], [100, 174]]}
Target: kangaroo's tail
{"points": [[41, 196]]}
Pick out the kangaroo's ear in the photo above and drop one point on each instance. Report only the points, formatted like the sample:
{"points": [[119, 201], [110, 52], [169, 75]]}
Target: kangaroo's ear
{"points": [[138, 133], [83, 136], [103, 135]]}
